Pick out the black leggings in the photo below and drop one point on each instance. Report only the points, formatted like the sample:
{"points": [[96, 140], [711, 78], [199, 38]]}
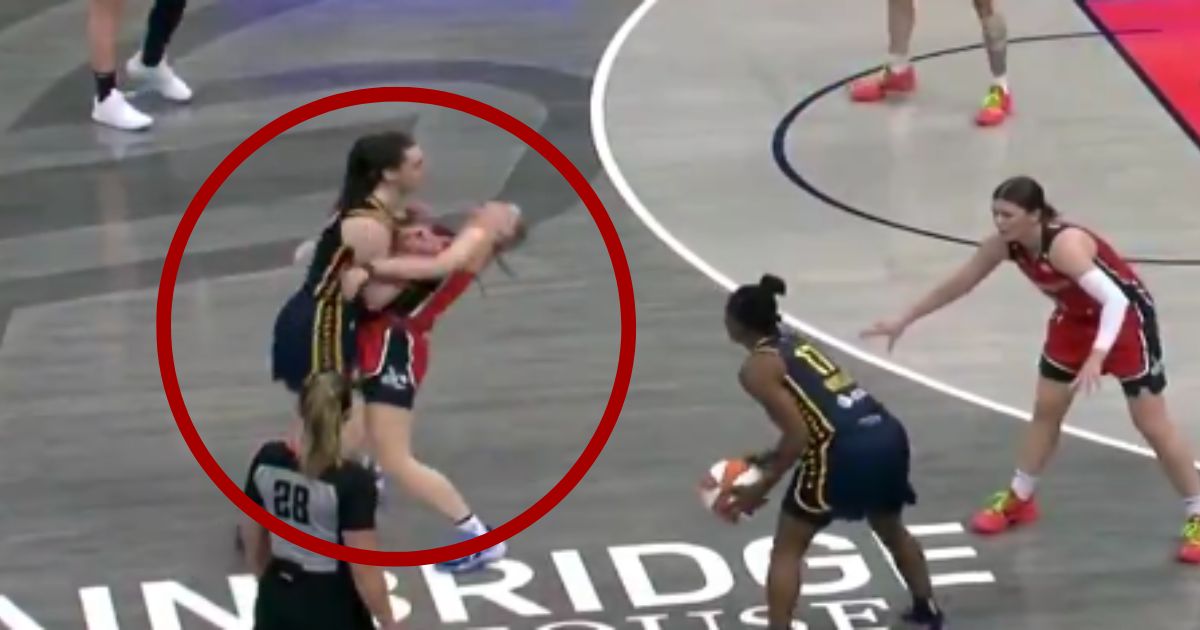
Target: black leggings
{"points": [[165, 16]]}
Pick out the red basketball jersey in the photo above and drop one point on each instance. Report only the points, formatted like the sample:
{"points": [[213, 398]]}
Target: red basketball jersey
{"points": [[1072, 300]]}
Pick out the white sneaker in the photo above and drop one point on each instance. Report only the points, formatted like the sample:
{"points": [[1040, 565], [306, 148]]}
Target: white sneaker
{"points": [[161, 79], [115, 111]]}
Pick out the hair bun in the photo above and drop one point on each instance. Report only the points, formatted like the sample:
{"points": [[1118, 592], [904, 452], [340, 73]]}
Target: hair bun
{"points": [[773, 284]]}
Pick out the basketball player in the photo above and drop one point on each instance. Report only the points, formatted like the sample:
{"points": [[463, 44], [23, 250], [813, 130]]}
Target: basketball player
{"points": [[1104, 322], [314, 330], [309, 486], [898, 74], [147, 67], [393, 352], [853, 455]]}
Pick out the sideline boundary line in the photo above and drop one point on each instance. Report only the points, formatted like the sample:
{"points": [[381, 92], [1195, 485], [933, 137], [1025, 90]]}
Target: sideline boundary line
{"points": [[608, 160]]}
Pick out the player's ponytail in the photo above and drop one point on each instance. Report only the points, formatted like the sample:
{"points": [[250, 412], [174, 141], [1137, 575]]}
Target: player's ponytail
{"points": [[324, 404], [772, 284], [369, 157], [1026, 192]]}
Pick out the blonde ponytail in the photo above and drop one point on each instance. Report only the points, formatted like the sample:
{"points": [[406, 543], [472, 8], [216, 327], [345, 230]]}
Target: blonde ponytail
{"points": [[323, 405]]}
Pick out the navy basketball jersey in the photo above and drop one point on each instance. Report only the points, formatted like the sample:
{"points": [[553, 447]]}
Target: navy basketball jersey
{"points": [[330, 258], [332, 255], [342, 498], [829, 397]]}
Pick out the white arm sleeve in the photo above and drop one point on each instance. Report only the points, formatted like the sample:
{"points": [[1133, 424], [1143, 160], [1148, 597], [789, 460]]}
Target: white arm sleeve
{"points": [[1114, 302]]}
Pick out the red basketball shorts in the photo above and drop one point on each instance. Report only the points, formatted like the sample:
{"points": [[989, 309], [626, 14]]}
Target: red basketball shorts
{"points": [[1135, 358]]}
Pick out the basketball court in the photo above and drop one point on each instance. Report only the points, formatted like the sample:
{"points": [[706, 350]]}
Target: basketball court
{"points": [[723, 145]]}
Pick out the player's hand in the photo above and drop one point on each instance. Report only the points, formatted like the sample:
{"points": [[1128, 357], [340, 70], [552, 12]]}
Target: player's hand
{"points": [[742, 501], [501, 219], [892, 329], [1088, 379], [761, 459]]}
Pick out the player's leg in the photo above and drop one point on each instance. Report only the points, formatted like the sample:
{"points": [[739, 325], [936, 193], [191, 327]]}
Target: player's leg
{"points": [[1136, 359], [997, 105], [901, 19], [389, 428], [793, 535], [910, 561], [109, 106], [148, 66], [1015, 505], [1152, 419], [897, 74], [389, 392]]}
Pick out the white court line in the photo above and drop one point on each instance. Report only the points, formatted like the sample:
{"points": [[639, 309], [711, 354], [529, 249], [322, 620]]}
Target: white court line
{"points": [[600, 138]]}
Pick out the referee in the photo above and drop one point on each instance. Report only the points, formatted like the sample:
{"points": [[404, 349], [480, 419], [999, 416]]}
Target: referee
{"points": [[310, 487]]}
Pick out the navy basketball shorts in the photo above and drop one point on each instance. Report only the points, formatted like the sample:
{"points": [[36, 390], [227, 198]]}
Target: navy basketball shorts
{"points": [[853, 475]]}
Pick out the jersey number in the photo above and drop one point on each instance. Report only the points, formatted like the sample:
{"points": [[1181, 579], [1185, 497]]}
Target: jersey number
{"points": [[814, 358], [291, 502]]}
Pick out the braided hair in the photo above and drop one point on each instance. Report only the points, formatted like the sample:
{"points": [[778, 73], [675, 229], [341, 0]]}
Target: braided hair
{"points": [[754, 305]]}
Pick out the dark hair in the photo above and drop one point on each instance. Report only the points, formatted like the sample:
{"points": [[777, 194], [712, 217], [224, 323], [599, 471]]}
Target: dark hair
{"points": [[324, 407], [1025, 192], [754, 305], [369, 157]]}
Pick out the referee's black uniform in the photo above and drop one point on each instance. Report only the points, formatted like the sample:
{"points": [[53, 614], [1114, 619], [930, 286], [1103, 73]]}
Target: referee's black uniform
{"points": [[300, 589]]}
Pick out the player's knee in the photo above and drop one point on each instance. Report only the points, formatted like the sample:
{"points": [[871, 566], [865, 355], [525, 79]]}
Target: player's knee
{"points": [[985, 8]]}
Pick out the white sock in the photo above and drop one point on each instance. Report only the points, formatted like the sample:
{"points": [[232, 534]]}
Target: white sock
{"points": [[898, 63], [472, 525], [1001, 81], [1024, 485], [1192, 505]]}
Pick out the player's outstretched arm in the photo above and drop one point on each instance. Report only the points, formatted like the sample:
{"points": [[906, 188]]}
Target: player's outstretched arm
{"points": [[990, 253]]}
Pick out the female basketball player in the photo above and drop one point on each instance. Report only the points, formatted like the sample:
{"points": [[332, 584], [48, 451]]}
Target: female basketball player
{"points": [[1103, 323], [314, 330], [310, 487], [898, 74], [853, 455], [147, 67], [394, 350]]}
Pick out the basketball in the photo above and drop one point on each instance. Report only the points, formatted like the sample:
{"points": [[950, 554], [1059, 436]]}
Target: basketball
{"points": [[726, 474]]}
